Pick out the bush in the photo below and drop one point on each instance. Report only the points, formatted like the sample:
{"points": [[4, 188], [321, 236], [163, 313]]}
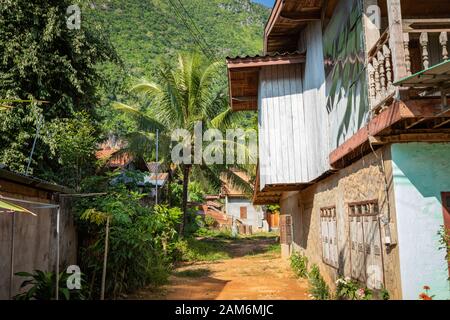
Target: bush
{"points": [[299, 263], [318, 288], [43, 287], [141, 239]]}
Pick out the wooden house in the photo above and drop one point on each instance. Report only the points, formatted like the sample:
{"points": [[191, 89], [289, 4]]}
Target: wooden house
{"points": [[354, 131]]}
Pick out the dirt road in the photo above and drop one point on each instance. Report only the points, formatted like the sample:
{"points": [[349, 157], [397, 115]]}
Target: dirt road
{"points": [[254, 271]]}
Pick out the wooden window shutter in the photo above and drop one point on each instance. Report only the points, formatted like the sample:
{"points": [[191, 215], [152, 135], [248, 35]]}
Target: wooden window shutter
{"points": [[243, 212], [365, 244], [328, 232], [285, 229]]}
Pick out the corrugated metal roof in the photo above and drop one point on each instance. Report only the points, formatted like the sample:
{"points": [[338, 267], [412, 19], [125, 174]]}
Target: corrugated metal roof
{"points": [[267, 56]]}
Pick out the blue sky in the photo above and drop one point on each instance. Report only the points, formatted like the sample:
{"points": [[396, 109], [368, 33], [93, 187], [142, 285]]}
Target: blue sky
{"points": [[268, 3]]}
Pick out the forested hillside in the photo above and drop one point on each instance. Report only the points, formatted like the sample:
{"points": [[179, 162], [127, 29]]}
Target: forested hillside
{"points": [[142, 30], [147, 31]]}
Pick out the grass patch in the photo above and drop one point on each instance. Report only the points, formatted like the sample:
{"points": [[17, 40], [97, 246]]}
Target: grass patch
{"points": [[193, 249], [193, 273]]}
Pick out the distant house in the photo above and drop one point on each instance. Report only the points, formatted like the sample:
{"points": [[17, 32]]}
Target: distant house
{"points": [[156, 174], [354, 143], [29, 242], [238, 205]]}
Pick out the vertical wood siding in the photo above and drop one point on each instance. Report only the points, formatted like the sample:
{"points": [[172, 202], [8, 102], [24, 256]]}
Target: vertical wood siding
{"points": [[293, 125]]}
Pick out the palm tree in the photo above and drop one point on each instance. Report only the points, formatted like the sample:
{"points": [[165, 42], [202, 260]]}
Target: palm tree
{"points": [[180, 97]]}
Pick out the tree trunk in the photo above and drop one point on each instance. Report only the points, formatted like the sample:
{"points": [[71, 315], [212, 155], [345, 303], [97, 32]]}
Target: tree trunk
{"points": [[186, 171]]}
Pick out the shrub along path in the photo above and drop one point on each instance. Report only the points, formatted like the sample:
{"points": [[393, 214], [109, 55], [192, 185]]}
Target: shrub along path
{"points": [[253, 270]]}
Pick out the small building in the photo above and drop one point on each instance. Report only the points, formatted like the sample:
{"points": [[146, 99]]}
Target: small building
{"points": [[238, 205], [354, 142], [29, 242]]}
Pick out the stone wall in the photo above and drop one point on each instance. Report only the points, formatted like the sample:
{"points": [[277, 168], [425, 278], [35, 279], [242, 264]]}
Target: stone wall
{"points": [[366, 179]]}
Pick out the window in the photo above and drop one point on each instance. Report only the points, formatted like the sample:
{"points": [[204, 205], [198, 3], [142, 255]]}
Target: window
{"points": [[243, 212], [328, 232], [365, 244]]}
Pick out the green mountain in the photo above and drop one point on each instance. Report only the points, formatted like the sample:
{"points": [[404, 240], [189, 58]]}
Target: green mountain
{"points": [[145, 31], [142, 30]]}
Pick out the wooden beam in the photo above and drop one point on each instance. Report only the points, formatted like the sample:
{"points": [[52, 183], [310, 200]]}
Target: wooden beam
{"points": [[399, 111], [302, 17]]}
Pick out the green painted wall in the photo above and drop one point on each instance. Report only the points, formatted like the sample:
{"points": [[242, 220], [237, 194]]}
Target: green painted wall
{"points": [[421, 172]]}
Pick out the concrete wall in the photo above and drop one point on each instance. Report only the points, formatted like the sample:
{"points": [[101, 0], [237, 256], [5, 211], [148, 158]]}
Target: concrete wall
{"points": [[254, 214], [364, 180], [421, 173], [35, 237]]}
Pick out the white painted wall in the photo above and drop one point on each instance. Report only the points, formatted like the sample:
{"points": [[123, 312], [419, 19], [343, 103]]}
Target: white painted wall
{"points": [[421, 172], [255, 214], [293, 123]]}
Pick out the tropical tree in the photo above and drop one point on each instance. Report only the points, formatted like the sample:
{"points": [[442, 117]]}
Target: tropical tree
{"points": [[43, 59], [181, 97]]}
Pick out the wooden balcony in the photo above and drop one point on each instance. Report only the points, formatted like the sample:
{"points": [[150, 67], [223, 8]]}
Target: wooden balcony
{"points": [[425, 44]]}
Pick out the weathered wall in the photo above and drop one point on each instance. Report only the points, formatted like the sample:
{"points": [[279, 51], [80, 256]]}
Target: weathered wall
{"points": [[421, 173], [364, 180], [254, 214], [35, 237]]}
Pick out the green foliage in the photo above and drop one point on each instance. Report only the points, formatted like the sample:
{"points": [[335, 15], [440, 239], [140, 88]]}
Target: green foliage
{"points": [[384, 294], [318, 288], [273, 208], [299, 264], [211, 233], [41, 286], [73, 143], [210, 222], [41, 59], [141, 241]]}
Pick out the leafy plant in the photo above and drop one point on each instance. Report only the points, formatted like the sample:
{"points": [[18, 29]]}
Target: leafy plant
{"points": [[43, 286], [426, 295], [141, 241], [348, 289], [318, 288], [299, 264]]}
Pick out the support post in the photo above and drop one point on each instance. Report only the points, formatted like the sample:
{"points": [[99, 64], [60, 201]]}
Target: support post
{"points": [[11, 276], [105, 259], [57, 252], [396, 39]]}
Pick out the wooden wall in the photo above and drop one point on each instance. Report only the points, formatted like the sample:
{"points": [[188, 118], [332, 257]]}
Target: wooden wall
{"points": [[293, 126]]}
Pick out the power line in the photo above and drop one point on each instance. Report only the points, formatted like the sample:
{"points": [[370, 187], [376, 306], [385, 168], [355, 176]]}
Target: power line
{"points": [[197, 29], [195, 37]]}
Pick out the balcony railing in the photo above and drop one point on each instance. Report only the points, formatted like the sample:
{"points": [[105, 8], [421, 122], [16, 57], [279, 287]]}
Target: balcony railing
{"points": [[381, 76], [425, 43]]}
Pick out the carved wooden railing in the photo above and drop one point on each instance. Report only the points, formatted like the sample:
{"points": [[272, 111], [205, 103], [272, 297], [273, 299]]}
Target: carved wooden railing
{"points": [[420, 53], [422, 30], [380, 73]]}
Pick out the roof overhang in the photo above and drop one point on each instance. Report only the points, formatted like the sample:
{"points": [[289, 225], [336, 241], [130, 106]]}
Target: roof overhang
{"points": [[32, 182], [243, 77], [286, 21]]}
